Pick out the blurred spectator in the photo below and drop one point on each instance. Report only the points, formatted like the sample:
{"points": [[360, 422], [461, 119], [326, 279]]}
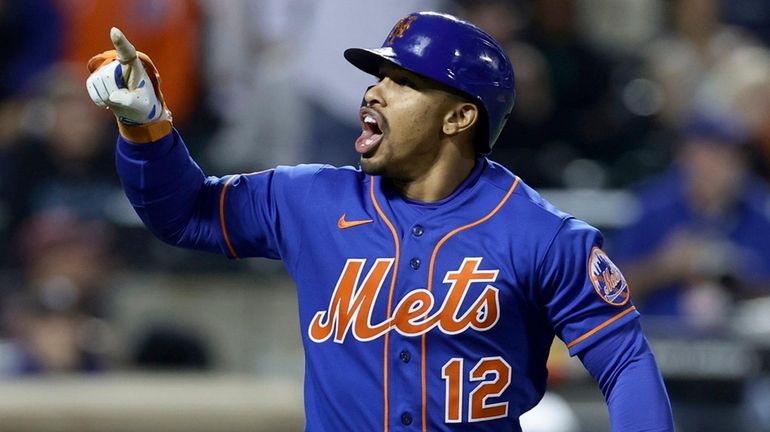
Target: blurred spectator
{"points": [[740, 83], [66, 259], [574, 120], [251, 52], [59, 154], [50, 341], [679, 60], [620, 27], [10, 165], [701, 236], [500, 18], [529, 129], [30, 33], [522, 143], [56, 317]]}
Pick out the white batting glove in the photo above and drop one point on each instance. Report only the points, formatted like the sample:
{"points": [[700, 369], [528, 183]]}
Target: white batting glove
{"points": [[124, 86]]}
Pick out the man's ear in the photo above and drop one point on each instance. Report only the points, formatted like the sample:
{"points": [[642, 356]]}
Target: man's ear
{"points": [[462, 117]]}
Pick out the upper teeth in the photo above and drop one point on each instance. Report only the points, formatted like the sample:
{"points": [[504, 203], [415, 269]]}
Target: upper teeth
{"points": [[369, 119]]}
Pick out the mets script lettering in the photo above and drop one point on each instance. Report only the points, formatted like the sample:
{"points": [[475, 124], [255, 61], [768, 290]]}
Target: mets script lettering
{"points": [[352, 302]]}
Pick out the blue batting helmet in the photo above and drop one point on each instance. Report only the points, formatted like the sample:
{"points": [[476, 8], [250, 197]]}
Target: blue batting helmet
{"points": [[455, 53]]}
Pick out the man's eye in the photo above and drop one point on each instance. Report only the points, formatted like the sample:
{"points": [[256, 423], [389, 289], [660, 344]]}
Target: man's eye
{"points": [[402, 81]]}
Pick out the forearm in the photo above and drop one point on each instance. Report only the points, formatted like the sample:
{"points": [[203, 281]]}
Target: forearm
{"points": [[625, 369], [169, 191], [165, 186], [637, 400]]}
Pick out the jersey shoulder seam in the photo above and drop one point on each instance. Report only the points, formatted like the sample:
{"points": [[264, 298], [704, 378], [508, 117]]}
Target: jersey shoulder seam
{"points": [[313, 179], [499, 187], [564, 220]]}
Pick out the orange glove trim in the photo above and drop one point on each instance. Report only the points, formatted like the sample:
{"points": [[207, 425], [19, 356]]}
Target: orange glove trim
{"points": [[142, 134], [139, 133]]}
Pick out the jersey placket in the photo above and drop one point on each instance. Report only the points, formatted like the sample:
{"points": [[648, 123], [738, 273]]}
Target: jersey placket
{"points": [[405, 352]]}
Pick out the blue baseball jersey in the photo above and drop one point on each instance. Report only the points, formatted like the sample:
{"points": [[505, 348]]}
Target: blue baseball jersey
{"points": [[414, 316]]}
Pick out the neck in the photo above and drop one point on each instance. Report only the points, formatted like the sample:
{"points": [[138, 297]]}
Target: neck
{"points": [[441, 178]]}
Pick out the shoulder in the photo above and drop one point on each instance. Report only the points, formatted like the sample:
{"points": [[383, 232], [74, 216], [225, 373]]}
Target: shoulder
{"points": [[315, 183], [291, 182], [533, 222], [316, 173], [319, 170], [525, 205]]}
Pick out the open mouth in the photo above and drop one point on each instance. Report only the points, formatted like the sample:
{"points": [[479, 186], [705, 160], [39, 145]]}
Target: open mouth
{"points": [[371, 131]]}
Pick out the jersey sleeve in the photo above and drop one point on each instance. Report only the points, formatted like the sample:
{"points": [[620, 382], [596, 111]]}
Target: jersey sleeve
{"points": [[260, 213], [584, 292], [243, 215], [624, 366]]}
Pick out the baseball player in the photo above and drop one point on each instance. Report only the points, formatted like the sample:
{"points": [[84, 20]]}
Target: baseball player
{"points": [[431, 280]]}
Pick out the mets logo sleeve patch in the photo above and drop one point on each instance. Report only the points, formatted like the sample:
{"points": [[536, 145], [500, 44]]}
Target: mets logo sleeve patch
{"points": [[586, 294], [607, 279]]}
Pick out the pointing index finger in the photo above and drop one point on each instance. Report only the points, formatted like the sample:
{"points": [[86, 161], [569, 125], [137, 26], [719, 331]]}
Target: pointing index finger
{"points": [[126, 51]]}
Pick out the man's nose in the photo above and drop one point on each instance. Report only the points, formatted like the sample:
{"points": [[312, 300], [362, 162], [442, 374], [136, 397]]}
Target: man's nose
{"points": [[364, 101], [373, 95]]}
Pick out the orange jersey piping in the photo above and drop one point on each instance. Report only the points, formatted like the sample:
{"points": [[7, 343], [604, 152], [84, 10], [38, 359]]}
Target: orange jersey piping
{"points": [[601, 326], [222, 224], [430, 288], [390, 299], [222, 218]]}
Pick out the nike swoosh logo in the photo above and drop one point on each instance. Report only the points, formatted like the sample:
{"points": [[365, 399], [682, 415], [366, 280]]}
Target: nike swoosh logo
{"points": [[342, 223]]}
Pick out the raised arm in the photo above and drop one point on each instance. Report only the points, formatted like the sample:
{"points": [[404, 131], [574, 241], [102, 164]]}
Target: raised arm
{"points": [[233, 215]]}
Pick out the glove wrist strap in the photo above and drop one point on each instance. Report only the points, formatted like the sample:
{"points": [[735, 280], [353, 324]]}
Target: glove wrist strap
{"points": [[145, 133]]}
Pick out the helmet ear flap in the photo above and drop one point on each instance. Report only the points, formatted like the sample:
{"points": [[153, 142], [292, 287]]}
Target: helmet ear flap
{"points": [[455, 53], [481, 139]]}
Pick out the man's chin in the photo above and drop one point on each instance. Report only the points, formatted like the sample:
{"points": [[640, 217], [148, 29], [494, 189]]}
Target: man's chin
{"points": [[371, 166]]}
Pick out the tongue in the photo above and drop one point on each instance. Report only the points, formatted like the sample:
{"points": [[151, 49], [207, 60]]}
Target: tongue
{"points": [[367, 141]]}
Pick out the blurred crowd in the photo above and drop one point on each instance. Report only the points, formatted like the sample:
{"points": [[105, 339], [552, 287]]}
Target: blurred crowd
{"points": [[665, 100]]}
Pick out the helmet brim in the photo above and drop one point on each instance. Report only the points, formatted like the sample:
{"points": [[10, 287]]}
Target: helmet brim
{"points": [[370, 60]]}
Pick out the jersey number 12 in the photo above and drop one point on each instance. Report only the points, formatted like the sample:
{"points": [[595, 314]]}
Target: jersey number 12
{"points": [[495, 376]]}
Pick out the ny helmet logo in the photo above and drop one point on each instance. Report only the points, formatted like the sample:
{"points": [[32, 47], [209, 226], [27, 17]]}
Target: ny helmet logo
{"points": [[399, 29]]}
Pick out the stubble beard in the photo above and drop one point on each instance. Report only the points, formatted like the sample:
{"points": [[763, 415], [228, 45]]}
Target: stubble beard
{"points": [[371, 167]]}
